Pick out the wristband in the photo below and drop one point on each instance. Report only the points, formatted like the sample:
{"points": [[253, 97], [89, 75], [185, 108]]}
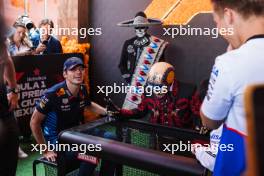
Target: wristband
{"points": [[13, 90]]}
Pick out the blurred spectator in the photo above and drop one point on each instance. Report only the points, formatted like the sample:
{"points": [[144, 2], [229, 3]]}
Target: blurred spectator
{"points": [[8, 102], [33, 31], [18, 43], [47, 43]]}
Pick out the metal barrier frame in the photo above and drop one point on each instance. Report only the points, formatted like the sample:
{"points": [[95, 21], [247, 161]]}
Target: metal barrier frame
{"points": [[44, 161], [127, 154]]}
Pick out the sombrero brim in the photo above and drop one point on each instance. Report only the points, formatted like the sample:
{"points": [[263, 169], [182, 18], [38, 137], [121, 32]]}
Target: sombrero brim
{"points": [[130, 23]]}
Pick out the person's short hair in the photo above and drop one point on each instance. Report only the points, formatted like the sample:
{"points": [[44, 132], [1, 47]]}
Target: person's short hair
{"points": [[245, 7], [46, 21]]}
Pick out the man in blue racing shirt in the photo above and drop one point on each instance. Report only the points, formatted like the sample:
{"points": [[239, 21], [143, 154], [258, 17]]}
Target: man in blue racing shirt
{"points": [[62, 107]]}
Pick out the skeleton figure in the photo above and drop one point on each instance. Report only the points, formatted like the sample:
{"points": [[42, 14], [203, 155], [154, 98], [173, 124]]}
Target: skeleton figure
{"points": [[132, 48], [138, 55]]}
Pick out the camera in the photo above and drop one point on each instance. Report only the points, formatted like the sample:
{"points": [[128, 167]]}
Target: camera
{"points": [[27, 21]]}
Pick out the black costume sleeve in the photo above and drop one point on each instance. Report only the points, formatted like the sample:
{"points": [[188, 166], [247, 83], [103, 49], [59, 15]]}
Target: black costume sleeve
{"points": [[123, 63]]}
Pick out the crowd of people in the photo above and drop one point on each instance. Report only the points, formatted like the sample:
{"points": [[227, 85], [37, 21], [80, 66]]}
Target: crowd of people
{"points": [[25, 39]]}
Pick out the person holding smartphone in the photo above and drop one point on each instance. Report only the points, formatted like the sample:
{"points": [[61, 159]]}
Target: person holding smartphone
{"points": [[48, 44]]}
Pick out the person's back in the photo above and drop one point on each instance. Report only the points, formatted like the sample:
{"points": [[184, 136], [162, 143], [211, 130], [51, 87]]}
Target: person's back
{"points": [[231, 74], [243, 67]]}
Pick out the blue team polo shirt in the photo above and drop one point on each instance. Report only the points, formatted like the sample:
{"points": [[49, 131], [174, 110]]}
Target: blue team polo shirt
{"points": [[62, 109]]}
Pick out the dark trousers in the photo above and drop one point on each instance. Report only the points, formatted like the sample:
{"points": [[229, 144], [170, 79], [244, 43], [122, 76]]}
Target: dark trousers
{"points": [[8, 146]]}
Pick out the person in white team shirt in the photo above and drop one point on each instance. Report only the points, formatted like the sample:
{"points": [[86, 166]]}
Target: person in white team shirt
{"points": [[231, 74]]}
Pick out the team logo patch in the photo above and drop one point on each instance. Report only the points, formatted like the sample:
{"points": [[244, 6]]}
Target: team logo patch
{"points": [[215, 71], [44, 100], [65, 100], [82, 104], [88, 158], [42, 105], [60, 92]]}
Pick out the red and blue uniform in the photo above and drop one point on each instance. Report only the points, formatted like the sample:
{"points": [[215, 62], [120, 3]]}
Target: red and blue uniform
{"points": [[62, 109], [231, 74]]}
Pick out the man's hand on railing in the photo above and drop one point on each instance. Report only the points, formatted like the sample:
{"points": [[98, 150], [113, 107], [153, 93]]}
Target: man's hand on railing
{"points": [[110, 105], [50, 156], [113, 110]]}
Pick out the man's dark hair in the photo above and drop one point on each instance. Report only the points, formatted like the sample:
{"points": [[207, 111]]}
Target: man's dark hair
{"points": [[244, 7], [46, 21]]}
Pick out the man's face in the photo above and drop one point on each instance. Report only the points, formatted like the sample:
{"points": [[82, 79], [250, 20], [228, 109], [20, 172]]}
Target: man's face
{"points": [[140, 31], [19, 34], [45, 32], [75, 75]]}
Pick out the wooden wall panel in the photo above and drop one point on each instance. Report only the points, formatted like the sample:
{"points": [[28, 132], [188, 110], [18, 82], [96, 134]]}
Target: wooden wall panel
{"points": [[83, 17], [68, 15]]}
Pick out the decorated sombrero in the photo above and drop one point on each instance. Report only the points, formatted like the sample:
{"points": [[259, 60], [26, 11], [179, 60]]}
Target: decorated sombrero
{"points": [[140, 20]]}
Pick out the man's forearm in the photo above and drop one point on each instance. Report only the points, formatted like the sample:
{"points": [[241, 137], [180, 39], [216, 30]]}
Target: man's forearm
{"points": [[9, 73], [97, 109], [35, 125], [207, 122], [37, 133]]}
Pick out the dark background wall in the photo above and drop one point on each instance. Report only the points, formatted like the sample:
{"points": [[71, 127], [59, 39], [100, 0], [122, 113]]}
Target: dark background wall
{"points": [[192, 56]]}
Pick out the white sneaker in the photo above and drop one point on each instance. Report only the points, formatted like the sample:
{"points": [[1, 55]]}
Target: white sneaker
{"points": [[21, 153]]}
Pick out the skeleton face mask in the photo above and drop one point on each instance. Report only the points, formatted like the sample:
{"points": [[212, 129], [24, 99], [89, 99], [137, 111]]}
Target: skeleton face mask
{"points": [[141, 32]]}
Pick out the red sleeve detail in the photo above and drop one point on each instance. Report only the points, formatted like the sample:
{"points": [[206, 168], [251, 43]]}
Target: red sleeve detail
{"points": [[126, 112], [196, 104], [182, 103]]}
